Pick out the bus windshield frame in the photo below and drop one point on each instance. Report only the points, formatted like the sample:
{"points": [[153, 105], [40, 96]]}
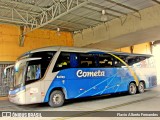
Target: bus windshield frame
{"points": [[20, 72], [32, 63]]}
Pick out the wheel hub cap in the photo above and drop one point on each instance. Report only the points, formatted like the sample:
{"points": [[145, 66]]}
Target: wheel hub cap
{"points": [[56, 98]]}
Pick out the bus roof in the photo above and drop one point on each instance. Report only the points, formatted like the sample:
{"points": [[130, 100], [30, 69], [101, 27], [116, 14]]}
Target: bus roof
{"points": [[78, 49]]}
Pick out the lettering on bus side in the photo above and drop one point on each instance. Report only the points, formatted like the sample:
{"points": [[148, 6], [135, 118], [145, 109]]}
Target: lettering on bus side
{"points": [[98, 73], [61, 77]]}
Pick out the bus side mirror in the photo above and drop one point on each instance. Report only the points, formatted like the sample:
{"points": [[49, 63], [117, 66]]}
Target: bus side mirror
{"points": [[5, 70], [5, 73]]}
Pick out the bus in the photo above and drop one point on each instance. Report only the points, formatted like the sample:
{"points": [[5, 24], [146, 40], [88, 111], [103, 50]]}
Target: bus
{"points": [[55, 74]]}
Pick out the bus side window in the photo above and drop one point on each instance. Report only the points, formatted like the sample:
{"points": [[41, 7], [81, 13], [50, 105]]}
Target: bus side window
{"points": [[74, 60], [33, 72], [63, 61], [106, 61], [87, 60], [119, 63]]}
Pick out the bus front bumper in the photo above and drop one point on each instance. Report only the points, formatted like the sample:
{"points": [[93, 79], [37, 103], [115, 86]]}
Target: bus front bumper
{"points": [[18, 98]]}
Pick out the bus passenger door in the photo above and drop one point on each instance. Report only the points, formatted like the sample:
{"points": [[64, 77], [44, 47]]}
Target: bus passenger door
{"points": [[33, 83]]}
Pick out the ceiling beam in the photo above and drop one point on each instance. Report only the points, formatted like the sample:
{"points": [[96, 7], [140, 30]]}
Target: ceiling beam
{"points": [[100, 12], [15, 21], [21, 20], [75, 23], [18, 22], [122, 5], [23, 4], [156, 1], [56, 13], [19, 16], [62, 28], [106, 8], [99, 21], [20, 10]]}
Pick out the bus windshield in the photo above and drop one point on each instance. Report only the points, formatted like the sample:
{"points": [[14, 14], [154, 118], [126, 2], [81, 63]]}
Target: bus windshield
{"points": [[19, 74], [29, 70]]}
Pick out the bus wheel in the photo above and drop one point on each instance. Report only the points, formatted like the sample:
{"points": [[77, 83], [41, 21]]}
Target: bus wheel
{"points": [[132, 89], [141, 87], [56, 98]]}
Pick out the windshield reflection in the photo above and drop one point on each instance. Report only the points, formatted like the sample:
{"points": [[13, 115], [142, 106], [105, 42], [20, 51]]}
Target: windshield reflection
{"points": [[19, 74]]}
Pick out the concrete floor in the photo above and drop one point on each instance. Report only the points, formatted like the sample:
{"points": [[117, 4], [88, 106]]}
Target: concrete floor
{"points": [[148, 101]]}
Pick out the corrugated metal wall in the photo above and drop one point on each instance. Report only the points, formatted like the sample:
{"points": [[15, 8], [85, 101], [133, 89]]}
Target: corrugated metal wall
{"points": [[5, 83]]}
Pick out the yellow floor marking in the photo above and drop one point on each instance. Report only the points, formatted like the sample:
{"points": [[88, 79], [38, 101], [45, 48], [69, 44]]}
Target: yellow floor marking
{"points": [[3, 98]]}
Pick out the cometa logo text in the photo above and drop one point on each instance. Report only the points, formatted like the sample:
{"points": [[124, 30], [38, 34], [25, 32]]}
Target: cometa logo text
{"points": [[97, 73]]}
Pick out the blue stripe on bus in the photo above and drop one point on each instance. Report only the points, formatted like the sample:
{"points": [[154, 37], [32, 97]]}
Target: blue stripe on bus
{"points": [[112, 77], [115, 79]]}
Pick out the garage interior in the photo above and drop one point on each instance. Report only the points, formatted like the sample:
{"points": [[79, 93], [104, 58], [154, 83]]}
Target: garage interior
{"points": [[130, 26]]}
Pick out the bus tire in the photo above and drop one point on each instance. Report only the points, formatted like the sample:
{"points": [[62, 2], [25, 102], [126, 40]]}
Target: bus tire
{"points": [[132, 89], [141, 87], [56, 98]]}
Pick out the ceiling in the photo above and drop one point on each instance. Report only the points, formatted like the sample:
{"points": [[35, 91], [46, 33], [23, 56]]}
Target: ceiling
{"points": [[68, 15], [138, 37]]}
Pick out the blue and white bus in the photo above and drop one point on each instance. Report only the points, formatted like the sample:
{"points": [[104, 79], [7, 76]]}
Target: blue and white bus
{"points": [[54, 74]]}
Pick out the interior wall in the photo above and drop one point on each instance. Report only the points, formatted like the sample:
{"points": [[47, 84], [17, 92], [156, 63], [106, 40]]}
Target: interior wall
{"points": [[143, 48], [156, 51], [9, 41], [125, 49]]}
